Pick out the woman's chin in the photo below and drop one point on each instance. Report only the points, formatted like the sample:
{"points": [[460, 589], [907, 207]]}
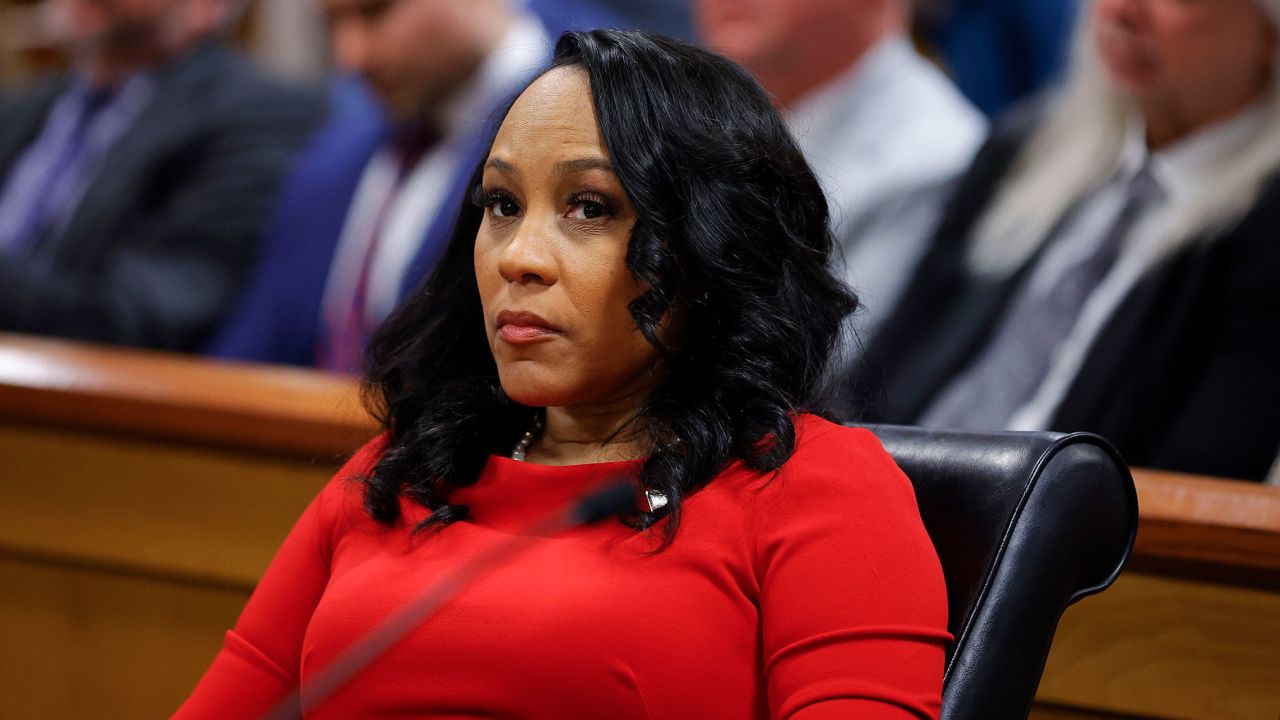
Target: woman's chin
{"points": [[531, 391]]}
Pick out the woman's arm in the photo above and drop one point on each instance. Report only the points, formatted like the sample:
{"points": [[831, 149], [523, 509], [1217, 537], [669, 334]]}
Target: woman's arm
{"points": [[259, 662], [853, 602]]}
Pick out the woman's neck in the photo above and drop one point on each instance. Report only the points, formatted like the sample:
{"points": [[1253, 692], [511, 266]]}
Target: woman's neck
{"points": [[599, 432]]}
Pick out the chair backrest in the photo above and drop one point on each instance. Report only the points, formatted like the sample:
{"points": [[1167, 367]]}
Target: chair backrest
{"points": [[1025, 524]]}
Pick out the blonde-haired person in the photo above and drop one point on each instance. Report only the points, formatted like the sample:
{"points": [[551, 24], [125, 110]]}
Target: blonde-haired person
{"points": [[1110, 262]]}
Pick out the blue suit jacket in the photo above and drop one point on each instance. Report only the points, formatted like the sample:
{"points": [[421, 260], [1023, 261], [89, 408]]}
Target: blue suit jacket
{"points": [[278, 319]]}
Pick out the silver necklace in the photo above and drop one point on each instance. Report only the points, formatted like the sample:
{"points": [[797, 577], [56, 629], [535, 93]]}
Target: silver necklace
{"points": [[656, 498]]}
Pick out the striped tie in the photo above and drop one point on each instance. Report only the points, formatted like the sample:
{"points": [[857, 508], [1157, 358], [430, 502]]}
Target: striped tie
{"points": [[1009, 370], [341, 347]]}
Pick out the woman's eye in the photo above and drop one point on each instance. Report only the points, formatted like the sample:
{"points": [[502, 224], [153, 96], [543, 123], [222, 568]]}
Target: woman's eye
{"points": [[588, 210], [504, 207]]}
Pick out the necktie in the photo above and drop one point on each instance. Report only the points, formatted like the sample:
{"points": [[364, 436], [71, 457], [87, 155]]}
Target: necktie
{"points": [[63, 165], [342, 345], [1008, 371]]}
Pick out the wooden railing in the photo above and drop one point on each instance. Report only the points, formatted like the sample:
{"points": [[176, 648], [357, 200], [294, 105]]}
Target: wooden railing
{"points": [[239, 406], [145, 493], [1201, 528]]}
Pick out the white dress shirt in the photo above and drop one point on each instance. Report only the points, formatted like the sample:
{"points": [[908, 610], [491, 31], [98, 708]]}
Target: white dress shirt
{"points": [[886, 140]]}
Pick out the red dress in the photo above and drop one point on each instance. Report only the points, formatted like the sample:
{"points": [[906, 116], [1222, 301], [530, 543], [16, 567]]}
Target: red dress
{"points": [[814, 595]]}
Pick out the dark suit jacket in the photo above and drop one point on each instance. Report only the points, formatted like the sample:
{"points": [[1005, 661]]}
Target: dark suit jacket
{"points": [[164, 234], [1185, 375]]}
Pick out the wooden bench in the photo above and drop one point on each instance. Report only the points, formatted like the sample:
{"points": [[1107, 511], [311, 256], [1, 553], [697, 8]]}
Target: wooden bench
{"points": [[144, 493]]}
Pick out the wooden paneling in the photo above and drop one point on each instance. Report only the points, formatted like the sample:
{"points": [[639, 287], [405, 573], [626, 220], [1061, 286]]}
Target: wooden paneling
{"points": [[143, 495], [1169, 648], [85, 644], [123, 561], [1191, 630], [207, 515]]}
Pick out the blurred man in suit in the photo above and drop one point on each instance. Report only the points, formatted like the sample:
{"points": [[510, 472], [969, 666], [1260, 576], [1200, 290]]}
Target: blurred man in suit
{"points": [[369, 208], [884, 130], [1110, 260], [133, 189]]}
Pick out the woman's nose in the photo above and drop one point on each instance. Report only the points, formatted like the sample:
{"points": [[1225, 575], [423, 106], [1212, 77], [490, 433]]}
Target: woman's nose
{"points": [[528, 258]]}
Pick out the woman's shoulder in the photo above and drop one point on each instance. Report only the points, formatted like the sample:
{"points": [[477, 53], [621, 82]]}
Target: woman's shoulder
{"points": [[839, 468], [364, 459], [818, 438], [842, 497], [341, 501], [834, 463], [825, 448]]}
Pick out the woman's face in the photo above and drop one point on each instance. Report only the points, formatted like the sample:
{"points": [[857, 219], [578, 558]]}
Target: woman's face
{"points": [[1188, 52], [550, 255]]}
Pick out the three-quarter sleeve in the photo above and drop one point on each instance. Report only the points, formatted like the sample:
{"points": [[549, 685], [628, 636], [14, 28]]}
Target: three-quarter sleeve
{"points": [[852, 598], [259, 662]]}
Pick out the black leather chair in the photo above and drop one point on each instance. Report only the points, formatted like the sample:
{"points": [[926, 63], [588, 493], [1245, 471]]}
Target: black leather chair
{"points": [[1025, 524]]}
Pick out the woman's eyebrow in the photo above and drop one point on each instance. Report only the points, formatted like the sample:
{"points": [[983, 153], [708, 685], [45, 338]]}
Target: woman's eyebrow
{"points": [[567, 167], [564, 167], [501, 166]]}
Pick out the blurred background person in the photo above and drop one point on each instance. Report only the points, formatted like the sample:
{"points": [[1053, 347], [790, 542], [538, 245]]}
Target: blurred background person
{"points": [[998, 51], [133, 188], [1110, 264], [368, 208], [665, 17], [884, 130]]}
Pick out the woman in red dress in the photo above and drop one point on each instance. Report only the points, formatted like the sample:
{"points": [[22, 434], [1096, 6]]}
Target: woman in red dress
{"points": [[639, 291]]}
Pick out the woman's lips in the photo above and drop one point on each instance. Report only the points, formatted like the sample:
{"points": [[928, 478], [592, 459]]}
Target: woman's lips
{"points": [[522, 328], [522, 334]]}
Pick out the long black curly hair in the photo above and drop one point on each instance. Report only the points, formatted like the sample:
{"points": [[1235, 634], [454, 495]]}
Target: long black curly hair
{"points": [[730, 221]]}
